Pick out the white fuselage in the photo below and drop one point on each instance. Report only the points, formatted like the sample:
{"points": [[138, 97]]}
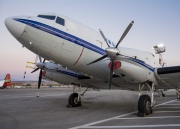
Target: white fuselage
{"points": [[74, 45]]}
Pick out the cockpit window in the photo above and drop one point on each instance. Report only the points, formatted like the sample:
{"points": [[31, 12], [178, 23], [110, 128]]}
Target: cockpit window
{"points": [[60, 21], [47, 17]]}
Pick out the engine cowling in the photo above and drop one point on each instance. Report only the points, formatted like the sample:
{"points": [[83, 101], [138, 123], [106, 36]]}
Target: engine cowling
{"points": [[132, 72]]}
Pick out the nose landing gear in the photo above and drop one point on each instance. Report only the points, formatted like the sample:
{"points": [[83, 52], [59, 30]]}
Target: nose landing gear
{"points": [[146, 100], [75, 98], [144, 105]]}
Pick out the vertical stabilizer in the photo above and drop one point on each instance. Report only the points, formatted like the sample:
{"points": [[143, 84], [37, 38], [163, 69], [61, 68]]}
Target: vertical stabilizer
{"points": [[7, 80]]}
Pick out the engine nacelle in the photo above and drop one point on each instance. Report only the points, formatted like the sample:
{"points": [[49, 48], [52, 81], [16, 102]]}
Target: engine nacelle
{"points": [[132, 72], [62, 77]]}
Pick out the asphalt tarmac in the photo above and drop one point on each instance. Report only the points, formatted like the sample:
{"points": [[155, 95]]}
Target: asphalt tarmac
{"points": [[21, 109]]}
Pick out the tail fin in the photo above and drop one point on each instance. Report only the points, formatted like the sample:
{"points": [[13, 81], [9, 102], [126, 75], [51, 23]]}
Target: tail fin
{"points": [[7, 80]]}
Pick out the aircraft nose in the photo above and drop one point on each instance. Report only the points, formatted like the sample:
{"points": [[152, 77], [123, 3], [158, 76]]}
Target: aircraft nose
{"points": [[16, 28]]}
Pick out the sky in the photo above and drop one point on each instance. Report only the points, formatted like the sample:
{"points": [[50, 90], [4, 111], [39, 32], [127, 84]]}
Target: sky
{"points": [[156, 21]]}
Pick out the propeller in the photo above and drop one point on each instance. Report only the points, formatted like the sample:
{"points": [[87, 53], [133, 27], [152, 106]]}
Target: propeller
{"points": [[125, 33], [98, 59], [113, 52], [40, 66], [40, 75], [111, 73], [40, 79]]}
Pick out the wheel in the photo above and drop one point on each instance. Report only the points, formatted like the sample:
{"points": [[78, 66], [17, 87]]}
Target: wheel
{"points": [[73, 100], [144, 105], [163, 95]]}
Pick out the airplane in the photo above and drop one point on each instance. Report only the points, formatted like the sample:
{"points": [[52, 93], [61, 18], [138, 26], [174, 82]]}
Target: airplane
{"points": [[6, 82], [103, 63]]}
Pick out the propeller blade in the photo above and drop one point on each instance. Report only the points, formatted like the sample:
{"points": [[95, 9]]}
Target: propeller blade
{"points": [[125, 32], [30, 63], [40, 78], [98, 59], [35, 70], [111, 74], [36, 60], [104, 37], [40, 59], [44, 60], [29, 67]]}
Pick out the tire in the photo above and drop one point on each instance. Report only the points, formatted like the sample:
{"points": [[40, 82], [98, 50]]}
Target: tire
{"points": [[163, 95], [73, 100], [144, 105]]}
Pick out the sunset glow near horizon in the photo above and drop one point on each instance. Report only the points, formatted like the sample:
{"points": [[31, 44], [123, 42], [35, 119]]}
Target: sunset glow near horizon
{"points": [[156, 21]]}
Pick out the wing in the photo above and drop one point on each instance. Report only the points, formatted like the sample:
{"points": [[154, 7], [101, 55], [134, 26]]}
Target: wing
{"points": [[168, 77]]}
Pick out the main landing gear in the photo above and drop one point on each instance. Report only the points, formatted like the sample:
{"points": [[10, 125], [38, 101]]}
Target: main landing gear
{"points": [[146, 99], [75, 98]]}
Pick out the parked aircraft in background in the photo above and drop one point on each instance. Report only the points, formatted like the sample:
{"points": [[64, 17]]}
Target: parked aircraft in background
{"points": [[6, 82], [95, 60]]}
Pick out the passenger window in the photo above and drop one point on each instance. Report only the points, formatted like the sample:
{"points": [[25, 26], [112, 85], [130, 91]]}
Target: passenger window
{"points": [[47, 17], [60, 21]]}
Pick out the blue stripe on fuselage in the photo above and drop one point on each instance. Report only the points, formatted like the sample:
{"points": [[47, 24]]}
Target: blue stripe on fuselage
{"points": [[74, 39], [142, 63], [68, 73], [63, 35], [73, 74]]}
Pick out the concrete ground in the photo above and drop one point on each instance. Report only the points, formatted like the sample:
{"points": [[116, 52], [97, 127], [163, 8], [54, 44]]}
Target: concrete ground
{"points": [[21, 109]]}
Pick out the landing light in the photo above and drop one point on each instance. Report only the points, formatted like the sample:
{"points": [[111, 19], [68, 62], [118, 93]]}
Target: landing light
{"points": [[160, 45]]}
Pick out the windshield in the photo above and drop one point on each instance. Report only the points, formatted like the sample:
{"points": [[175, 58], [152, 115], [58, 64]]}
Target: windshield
{"points": [[47, 17]]}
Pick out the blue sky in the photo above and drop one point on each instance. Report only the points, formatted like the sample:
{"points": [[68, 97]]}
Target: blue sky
{"points": [[156, 21]]}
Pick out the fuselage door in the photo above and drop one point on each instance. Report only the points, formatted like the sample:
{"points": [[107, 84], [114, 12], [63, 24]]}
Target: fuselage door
{"points": [[60, 30], [65, 38]]}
